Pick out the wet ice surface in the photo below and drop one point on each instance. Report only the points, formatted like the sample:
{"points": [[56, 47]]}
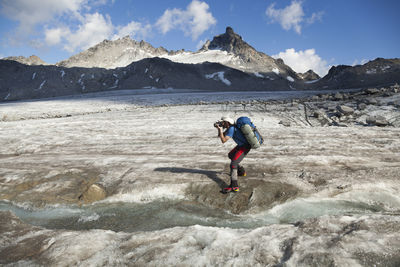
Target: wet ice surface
{"points": [[156, 215], [313, 195]]}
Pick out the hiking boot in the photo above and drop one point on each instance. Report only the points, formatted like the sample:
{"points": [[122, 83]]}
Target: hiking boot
{"points": [[230, 189], [227, 190], [233, 187], [241, 171]]}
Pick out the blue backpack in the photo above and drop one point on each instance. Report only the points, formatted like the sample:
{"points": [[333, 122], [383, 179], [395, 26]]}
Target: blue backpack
{"points": [[250, 132]]}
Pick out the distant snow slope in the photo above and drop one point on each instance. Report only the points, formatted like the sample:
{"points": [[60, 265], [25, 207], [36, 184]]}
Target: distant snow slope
{"points": [[216, 56], [121, 53]]}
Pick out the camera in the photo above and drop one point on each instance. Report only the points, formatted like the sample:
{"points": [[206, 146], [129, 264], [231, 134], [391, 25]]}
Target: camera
{"points": [[218, 124]]}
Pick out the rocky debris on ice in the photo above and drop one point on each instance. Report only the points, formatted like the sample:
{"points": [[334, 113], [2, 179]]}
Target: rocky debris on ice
{"points": [[369, 107], [377, 120], [345, 110]]}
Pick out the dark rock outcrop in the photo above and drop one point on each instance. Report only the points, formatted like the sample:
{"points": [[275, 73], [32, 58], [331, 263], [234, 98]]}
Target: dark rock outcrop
{"points": [[309, 75], [378, 72], [18, 81]]}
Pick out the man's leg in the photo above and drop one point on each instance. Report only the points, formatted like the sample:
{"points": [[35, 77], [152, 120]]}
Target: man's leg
{"points": [[236, 156]]}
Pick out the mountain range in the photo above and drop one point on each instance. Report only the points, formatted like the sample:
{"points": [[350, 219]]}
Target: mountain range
{"points": [[225, 63]]}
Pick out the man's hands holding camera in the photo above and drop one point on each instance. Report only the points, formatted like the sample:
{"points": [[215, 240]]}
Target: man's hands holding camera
{"points": [[218, 124]]}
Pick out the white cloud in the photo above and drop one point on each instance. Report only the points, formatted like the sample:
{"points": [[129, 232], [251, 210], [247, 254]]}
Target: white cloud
{"points": [[315, 17], [303, 61], [53, 36], [30, 13], [135, 29], [93, 29], [71, 25], [292, 16], [193, 21], [169, 20], [89, 28], [289, 17]]}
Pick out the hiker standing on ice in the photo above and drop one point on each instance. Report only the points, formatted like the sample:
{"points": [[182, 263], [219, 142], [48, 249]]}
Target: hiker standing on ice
{"points": [[237, 154], [246, 136]]}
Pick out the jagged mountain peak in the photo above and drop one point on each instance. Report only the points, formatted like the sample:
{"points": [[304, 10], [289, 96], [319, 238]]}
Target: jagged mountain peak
{"points": [[113, 53], [228, 48], [309, 75], [250, 59], [230, 42]]}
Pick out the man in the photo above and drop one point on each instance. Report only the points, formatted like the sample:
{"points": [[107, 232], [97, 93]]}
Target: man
{"points": [[237, 154]]}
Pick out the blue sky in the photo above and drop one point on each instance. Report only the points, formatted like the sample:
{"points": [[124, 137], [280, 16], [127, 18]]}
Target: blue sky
{"points": [[305, 33]]}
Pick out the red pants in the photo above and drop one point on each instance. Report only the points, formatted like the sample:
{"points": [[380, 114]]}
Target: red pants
{"points": [[237, 155]]}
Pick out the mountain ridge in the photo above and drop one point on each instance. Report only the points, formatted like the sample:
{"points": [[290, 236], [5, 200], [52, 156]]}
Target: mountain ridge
{"points": [[32, 60], [20, 81], [107, 54], [228, 49], [226, 63]]}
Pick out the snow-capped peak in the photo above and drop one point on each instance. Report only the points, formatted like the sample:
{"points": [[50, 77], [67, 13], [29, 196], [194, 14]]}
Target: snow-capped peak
{"points": [[228, 49]]}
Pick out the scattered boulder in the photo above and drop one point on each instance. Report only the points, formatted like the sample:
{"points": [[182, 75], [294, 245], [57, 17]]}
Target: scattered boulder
{"points": [[95, 192], [377, 121], [323, 97], [345, 110], [388, 94], [315, 98], [346, 96], [395, 88], [361, 106], [372, 91], [322, 117], [285, 123], [372, 101], [338, 97], [319, 113]]}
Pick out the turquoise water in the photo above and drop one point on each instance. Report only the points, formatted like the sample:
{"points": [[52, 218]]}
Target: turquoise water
{"points": [[156, 215]]}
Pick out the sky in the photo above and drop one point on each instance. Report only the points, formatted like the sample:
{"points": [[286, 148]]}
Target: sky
{"points": [[306, 34]]}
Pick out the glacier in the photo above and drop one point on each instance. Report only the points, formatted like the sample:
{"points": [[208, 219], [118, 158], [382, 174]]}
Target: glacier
{"points": [[314, 195]]}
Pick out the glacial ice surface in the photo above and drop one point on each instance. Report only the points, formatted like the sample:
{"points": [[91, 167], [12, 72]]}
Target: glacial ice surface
{"points": [[313, 195]]}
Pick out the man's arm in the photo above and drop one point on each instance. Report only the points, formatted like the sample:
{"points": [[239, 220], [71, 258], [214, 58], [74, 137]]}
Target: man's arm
{"points": [[222, 136]]}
